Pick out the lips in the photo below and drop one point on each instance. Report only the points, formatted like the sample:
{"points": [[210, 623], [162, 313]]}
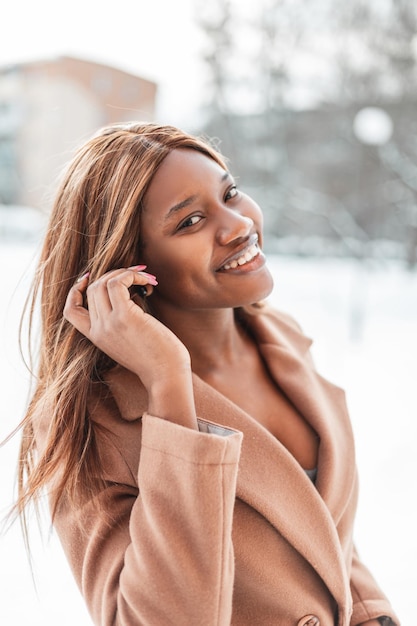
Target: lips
{"points": [[242, 257]]}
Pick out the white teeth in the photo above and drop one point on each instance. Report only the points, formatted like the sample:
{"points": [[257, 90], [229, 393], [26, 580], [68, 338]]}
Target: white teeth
{"points": [[247, 256]]}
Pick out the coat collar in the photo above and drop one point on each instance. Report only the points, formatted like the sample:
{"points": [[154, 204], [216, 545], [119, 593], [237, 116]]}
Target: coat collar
{"points": [[285, 350], [269, 476]]}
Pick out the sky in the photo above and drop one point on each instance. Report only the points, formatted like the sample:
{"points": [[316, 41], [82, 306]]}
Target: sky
{"points": [[156, 39], [159, 40]]}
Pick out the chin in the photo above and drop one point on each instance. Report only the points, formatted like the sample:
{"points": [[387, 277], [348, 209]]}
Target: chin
{"points": [[260, 293]]}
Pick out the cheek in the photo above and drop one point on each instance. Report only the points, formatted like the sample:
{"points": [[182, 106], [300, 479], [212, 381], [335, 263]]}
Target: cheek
{"points": [[176, 267]]}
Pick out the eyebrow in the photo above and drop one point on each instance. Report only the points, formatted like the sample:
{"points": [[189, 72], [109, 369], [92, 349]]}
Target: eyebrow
{"points": [[187, 201]]}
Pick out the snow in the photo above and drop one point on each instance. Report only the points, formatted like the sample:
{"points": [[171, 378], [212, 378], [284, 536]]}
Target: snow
{"points": [[363, 319]]}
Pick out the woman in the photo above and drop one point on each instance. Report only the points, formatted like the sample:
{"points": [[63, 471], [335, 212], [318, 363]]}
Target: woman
{"points": [[199, 470]]}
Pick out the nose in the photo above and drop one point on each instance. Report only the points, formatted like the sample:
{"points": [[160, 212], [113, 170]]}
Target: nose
{"points": [[233, 226]]}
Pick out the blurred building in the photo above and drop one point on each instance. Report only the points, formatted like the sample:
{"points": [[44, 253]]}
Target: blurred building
{"points": [[48, 107]]}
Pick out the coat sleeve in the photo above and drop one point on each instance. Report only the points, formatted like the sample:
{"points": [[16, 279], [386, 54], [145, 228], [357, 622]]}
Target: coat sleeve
{"points": [[162, 554], [369, 602]]}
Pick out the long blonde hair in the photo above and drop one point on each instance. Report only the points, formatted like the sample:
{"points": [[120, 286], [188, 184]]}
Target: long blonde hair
{"points": [[94, 226]]}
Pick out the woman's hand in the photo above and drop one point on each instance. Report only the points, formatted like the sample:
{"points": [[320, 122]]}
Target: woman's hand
{"points": [[134, 339]]}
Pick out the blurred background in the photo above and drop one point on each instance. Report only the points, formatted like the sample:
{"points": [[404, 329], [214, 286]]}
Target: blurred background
{"points": [[314, 104]]}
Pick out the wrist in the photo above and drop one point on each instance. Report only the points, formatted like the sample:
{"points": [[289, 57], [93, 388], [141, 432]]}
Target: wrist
{"points": [[172, 398]]}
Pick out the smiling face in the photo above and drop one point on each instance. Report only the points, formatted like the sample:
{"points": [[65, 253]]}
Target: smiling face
{"points": [[201, 237]]}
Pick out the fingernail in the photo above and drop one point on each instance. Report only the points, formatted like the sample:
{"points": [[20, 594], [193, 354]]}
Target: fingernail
{"points": [[148, 275], [137, 268], [86, 275]]}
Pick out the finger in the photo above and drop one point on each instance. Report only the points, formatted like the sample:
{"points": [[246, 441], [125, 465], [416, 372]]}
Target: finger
{"points": [[119, 286], [74, 310], [98, 299]]}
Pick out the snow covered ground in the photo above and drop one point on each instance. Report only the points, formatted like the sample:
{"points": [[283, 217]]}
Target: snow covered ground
{"points": [[363, 320]]}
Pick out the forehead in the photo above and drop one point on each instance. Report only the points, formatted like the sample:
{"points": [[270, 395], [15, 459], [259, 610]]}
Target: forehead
{"points": [[184, 172]]}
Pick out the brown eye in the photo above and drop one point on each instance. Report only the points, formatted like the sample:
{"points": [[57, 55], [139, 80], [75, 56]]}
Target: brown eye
{"points": [[190, 221], [231, 193]]}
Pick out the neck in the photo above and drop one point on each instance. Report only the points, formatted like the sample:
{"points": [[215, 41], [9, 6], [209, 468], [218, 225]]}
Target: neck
{"points": [[214, 338]]}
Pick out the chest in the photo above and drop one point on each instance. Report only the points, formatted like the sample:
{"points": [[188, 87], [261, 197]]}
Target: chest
{"points": [[258, 395]]}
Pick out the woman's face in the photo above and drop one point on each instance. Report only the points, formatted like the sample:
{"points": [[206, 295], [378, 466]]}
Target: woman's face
{"points": [[201, 236]]}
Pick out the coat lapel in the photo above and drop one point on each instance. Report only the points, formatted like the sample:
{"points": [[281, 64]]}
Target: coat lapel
{"points": [[285, 351], [272, 482]]}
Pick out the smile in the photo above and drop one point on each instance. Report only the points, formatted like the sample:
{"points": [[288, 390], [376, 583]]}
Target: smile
{"points": [[245, 257]]}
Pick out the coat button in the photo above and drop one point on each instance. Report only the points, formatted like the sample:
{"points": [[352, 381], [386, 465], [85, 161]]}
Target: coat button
{"points": [[309, 620]]}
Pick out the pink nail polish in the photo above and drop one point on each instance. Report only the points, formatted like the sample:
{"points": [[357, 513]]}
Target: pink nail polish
{"points": [[137, 268], [148, 275], [86, 275]]}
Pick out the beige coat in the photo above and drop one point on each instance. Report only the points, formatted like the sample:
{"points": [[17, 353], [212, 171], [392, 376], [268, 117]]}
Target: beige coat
{"points": [[223, 526]]}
